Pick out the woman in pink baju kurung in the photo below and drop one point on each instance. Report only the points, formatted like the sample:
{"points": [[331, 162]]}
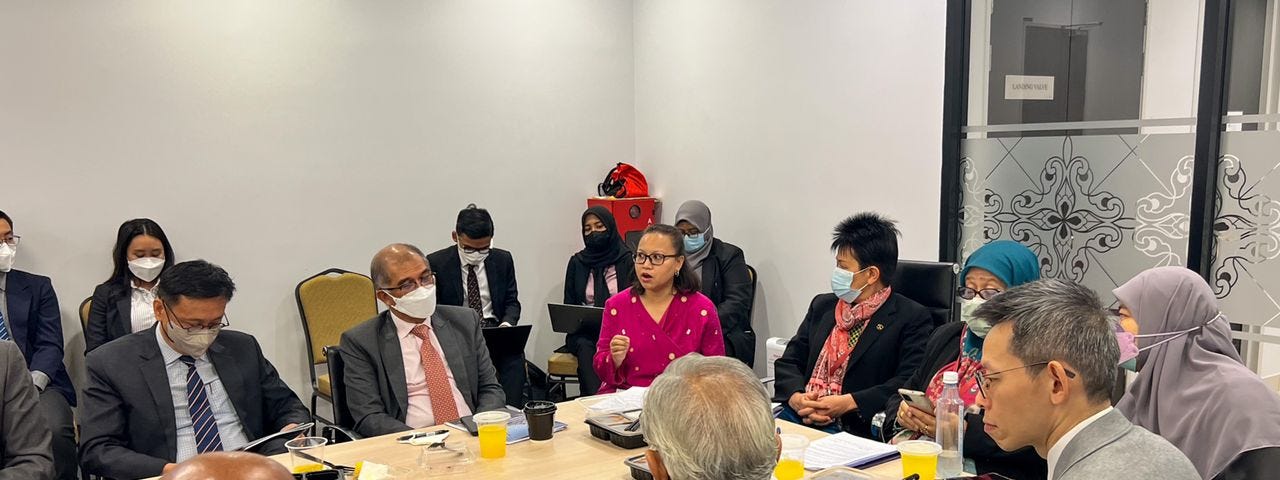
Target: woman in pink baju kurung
{"points": [[634, 348]]}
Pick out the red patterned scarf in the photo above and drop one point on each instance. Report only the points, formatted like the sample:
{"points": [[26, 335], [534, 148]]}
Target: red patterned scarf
{"points": [[833, 362]]}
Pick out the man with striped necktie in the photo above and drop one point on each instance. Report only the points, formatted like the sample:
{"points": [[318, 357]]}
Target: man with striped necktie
{"points": [[183, 387]]}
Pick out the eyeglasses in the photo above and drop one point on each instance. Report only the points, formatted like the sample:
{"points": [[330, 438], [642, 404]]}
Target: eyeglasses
{"points": [[12, 240], [467, 249], [984, 379], [1115, 312], [654, 259], [426, 280], [986, 293], [180, 323]]}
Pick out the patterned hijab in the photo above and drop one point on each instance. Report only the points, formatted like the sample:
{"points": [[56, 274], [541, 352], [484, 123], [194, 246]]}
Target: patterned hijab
{"points": [[1193, 390]]}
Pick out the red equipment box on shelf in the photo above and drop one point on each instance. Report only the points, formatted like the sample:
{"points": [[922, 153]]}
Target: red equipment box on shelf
{"points": [[632, 214]]}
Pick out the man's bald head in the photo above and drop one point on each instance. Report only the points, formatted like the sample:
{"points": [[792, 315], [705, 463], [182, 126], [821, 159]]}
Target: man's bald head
{"points": [[229, 466], [390, 257]]}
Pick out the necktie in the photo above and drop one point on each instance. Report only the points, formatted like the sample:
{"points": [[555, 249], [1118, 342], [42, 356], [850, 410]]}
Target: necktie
{"points": [[202, 420], [443, 408], [4, 329], [473, 291]]}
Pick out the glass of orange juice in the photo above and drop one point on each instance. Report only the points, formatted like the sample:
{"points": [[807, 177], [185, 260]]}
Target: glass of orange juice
{"points": [[919, 457], [791, 462], [307, 453], [493, 433]]}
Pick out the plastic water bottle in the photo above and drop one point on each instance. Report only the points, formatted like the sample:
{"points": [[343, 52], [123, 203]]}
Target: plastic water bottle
{"points": [[949, 412]]}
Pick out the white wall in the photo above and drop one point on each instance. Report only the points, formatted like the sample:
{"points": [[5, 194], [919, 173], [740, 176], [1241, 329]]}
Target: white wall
{"points": [[785, 117], [282, 138]]}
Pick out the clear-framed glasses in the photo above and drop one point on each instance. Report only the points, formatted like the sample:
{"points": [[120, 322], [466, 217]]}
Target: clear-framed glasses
{"points": [[426, 280], [12, 240], [656, 258], [969, 293], [467, 249], [984, 378], [180, 323]]}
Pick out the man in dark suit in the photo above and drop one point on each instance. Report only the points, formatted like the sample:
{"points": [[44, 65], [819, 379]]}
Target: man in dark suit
{"points": [[24, 443], [183, 387], [29, 316], [417, 364], [473, 274], [858, 344]]}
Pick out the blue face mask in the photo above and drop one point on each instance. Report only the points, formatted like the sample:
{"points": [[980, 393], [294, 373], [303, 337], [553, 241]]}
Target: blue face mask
{"points": [[842, 284], [693, 243]]}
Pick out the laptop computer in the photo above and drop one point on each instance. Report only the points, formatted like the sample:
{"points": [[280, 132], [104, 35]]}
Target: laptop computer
{"points": [[504, 342], [571, 318]]}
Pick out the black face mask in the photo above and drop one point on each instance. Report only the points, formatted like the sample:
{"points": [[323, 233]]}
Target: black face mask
{"points": [[597, 241]]}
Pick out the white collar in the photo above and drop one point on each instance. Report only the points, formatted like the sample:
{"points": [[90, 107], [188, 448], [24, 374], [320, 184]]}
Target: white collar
{"points": [[1056, 450]]}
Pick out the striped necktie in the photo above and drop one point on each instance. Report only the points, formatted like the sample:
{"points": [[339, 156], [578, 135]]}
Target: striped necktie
{"points": [[4, 329], [202, 420]]}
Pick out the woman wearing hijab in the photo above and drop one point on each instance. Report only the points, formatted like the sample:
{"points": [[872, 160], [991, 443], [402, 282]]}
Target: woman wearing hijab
{"points": [[725, 279], [1192, 388], [604, 267], [957, 347]]}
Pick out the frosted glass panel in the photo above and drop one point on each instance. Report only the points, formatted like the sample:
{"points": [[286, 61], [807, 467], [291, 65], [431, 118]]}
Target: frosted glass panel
{"points": [[1096, 209], [1246, 270]]}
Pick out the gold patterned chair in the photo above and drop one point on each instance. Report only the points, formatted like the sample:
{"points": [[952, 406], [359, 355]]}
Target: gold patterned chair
{"points": [[329, 303]]}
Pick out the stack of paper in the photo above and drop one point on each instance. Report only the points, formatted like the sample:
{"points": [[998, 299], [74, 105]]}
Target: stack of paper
{"points": [[627, 400], [845, 449]]}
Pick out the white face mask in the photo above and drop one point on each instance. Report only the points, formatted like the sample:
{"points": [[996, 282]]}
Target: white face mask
{"points": [[7, 252], [146, 268], [191, 343], [418, 304], [979, 327], [473, 258]]}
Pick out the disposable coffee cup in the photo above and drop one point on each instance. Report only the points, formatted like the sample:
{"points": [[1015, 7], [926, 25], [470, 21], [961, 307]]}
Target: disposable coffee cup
{"points": [[541, 416]]}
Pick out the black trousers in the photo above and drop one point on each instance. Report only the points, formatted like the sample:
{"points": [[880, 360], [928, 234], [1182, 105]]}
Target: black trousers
{"points": [[512, 376], [583, 345], [57, 413]]}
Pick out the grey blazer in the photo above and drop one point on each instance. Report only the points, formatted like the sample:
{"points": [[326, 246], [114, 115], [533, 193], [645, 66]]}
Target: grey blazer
{"points": [[1111, 447], [373, 375], [127, 425], [24, 443]]}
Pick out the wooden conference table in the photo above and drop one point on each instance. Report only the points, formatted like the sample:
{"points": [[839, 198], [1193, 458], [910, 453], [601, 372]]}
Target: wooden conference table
{"points": [[570, 454]]}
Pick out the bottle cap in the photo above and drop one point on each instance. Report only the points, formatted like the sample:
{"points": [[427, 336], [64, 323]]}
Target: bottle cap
{"points": [[950, 378]]}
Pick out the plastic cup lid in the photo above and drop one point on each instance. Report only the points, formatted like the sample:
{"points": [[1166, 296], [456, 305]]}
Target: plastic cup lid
{"points": [[919, 447], [491, 417]]}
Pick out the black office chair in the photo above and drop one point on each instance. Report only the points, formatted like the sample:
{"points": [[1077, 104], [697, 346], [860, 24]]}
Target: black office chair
{"points": [[931, 284], [632, 239], [751, 308], [341, 431]]}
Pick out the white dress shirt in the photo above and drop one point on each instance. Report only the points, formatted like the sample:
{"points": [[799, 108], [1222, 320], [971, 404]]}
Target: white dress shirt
{"points": [[142, 313], [1061, 444], [415, 375], [486, 300], [229, 429]]}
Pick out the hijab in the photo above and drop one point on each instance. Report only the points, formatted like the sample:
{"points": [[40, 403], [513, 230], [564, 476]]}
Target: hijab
{"points": [[1193, 389], [697, 214], [599, 256]]}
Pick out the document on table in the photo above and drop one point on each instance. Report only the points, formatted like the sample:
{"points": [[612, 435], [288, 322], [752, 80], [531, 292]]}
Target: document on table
{"points": [[623, 401], [845, 449]]}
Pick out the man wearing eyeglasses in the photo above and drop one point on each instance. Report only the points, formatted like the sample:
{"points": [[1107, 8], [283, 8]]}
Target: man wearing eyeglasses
{"points": [[183, 387], [1048, 365], [473, 274], [29, 317], [416, 364]]}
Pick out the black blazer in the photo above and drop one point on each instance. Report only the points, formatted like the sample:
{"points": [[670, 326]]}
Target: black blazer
{"points": [[944, 348], [127, 429], [890, 350], [727, 282], [36, 326], [499, 270], [576, 274], [110, 314]]}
